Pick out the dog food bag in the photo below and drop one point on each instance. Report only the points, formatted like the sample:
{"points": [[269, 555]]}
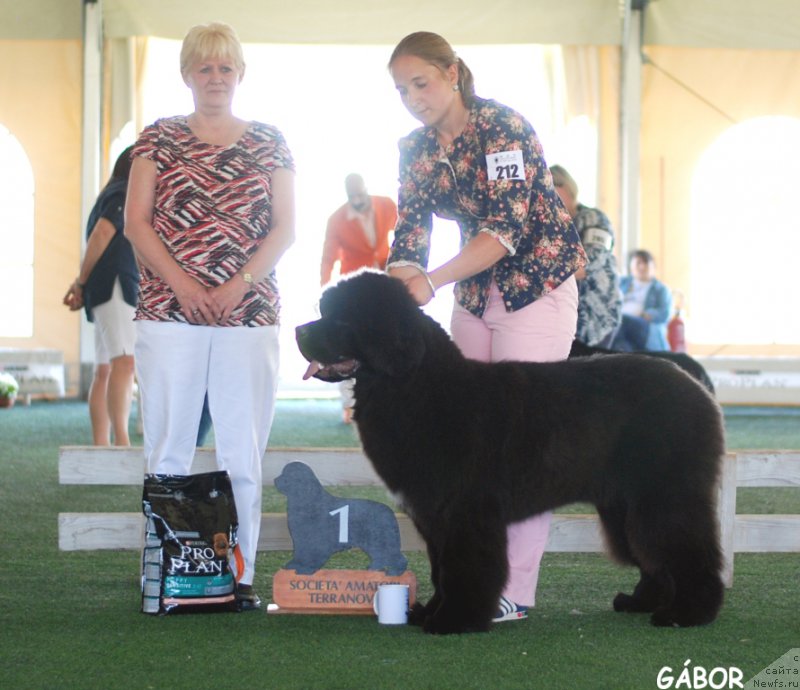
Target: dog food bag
{"points": [[190, 537]]}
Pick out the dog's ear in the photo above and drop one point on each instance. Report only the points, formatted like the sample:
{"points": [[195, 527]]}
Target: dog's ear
{"points": [[395, 352], [385, 326]]}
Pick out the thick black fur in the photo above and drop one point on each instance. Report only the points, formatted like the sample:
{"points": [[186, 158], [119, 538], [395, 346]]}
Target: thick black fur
{"points": [[690, 365], [471, 447]]}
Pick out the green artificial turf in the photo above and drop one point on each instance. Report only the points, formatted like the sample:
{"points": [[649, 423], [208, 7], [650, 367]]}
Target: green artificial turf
{"points": [[71, 619]]}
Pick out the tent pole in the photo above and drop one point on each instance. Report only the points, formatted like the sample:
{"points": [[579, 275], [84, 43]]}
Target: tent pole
{"points": [[90, 155], [630, 126]]}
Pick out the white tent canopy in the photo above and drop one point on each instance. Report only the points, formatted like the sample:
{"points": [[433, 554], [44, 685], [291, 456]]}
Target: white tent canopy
{"points": [[753, 24]]}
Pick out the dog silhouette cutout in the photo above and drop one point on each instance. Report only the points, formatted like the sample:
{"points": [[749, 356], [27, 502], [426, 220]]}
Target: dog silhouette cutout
{"points": [[321, 525]]}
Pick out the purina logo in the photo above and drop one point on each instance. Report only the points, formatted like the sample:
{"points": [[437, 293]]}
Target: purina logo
{"points": [[783, 673]]}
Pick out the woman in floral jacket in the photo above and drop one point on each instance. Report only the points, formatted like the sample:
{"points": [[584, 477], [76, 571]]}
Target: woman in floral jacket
{"points": [[480, 163]]}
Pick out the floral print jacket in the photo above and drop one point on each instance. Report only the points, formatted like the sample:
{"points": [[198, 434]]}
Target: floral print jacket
{"points": [[492, 178]]}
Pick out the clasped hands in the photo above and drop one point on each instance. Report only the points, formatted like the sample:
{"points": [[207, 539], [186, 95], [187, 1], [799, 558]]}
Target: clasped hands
{"points": [[211, 306]]}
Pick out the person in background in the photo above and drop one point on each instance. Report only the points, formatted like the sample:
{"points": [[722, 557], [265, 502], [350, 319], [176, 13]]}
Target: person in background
{"points": [[357, 236], [599, 299], [480, 163], [106, 287], [210, 211], [646, 307]]}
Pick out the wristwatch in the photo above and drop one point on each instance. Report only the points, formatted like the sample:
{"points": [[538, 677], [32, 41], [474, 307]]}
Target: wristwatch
{"points": [[247, 278]]}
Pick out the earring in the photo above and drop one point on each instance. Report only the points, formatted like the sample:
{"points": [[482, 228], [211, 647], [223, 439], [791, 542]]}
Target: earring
{"points": [[455, 87]]}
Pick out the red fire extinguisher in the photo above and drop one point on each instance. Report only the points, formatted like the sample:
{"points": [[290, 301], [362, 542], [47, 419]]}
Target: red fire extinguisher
{"points": [[676, 332]]}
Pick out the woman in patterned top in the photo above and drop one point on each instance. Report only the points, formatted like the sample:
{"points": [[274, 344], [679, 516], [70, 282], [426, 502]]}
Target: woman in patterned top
{"points": [[480, 163], [210, 211], [599, 299]]}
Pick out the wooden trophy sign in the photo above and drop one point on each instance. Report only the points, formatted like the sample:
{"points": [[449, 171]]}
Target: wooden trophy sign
{"points": [[320, 525]]}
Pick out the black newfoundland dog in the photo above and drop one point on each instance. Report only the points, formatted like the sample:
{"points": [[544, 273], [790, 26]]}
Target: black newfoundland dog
{"points": [[690, 365], [471, 447]]}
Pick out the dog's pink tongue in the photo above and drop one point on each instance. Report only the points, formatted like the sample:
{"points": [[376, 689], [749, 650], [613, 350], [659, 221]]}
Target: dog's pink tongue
{"points": [[313, 368]]}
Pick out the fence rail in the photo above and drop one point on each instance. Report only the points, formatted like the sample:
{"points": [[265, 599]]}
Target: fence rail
{"points": [[92, 465]]}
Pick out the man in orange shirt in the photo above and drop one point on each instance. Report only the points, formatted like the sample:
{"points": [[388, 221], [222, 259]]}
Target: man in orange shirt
{"points": [[358, 232], [357, 236]]}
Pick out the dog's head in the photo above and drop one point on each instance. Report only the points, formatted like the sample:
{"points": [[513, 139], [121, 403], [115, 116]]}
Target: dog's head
{"points": [[369, 322], [297, 477]]}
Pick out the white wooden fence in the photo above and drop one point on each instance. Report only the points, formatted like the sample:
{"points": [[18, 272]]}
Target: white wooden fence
{"points": [[92, 465]]}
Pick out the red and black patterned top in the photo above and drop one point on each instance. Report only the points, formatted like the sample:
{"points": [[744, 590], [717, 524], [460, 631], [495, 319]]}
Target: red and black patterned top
{"points": [[213, 208]]}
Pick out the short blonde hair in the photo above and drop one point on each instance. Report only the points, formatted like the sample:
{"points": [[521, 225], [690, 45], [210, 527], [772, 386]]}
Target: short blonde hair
{"points": [[212, 41]]}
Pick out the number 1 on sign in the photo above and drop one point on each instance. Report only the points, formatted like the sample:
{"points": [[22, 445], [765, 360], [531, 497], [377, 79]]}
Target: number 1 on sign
{"points": [[344, 518]]}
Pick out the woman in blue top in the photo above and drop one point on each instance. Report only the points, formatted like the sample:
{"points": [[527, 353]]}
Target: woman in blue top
{"points": [[646, 307], [480, 163]]}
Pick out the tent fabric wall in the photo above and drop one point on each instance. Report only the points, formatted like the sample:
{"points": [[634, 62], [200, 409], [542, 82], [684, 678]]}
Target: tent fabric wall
{"points": [[678, 127], [608, 153], [592, 74], [42, 20], [46, 121], [119, 89], [754, 24], [376, 22]]}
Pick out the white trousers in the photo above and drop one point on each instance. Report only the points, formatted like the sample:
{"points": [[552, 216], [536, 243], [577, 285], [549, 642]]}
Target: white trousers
{"points": [[176, 364]]}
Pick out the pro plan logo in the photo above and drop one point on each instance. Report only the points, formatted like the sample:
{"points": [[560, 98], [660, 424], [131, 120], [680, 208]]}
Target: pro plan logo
{"points": [[783, 673], [698, 677]]}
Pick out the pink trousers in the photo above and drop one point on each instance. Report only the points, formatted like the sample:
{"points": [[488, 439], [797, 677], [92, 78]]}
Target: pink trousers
{"points": [[541, 332]]}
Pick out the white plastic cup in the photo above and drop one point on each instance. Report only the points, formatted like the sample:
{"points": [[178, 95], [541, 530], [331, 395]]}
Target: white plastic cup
{"points": [[390, 604]]}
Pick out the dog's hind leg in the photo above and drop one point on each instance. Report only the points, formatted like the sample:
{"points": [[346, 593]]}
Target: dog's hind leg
{"points": [[653, 588], [679, 547], [612, 520], [698, 598], [651, 592], [694, 565]]}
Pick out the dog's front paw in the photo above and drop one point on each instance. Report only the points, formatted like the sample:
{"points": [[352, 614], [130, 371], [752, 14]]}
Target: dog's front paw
{"points": [[625, 603], [439, 624], [417, 614]]}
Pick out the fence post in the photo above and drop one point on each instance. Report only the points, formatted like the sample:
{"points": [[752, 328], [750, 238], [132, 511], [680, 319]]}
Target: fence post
{"points": [[726, 512]]}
